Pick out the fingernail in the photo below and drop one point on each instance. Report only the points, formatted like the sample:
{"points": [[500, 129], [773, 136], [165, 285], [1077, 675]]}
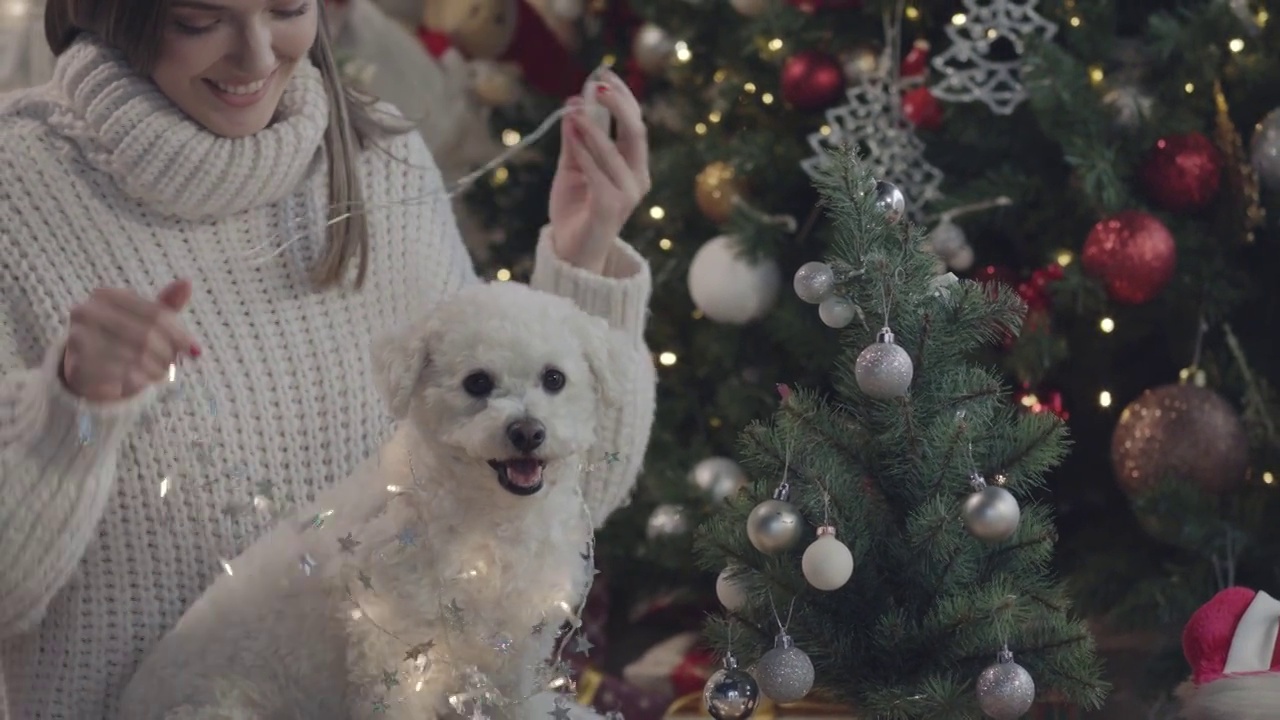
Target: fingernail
{"points": [[194, 351], [602, 89]]}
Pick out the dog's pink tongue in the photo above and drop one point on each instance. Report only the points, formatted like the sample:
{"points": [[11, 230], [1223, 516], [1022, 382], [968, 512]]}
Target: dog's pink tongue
{"points": [[525, 473]]}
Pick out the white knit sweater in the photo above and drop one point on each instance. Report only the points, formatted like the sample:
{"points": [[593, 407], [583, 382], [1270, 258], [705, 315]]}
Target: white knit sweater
{"points": [[105, 540]]}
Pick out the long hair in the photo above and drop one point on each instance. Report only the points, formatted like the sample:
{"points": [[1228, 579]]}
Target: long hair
{"points": [[135, 28]]}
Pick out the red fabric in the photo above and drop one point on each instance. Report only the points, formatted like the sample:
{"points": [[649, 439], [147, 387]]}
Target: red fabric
{"points": [[691, 674], [547, 65], [436, 43], [1207, 636]]}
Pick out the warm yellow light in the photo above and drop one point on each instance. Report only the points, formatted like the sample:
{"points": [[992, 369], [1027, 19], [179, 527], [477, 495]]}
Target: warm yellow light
{"points": [[696, 314], [912, 12], [1104, 398], [992, 33], [749, 87], [667, 358], [1268, 478], [1030, 400], [657, 213], [1189, 87], [775, 44], [1262, 17], [503, 275], [1096, 75], [510, 137], [1107, 325], [824, 130], [767, 98], [683, 53], [714, 116], [1075, 21], [501, 175], [719, 76], [665, 243], [715, 422], [1236, 44], [700, 128], [958, 19], [609, 60], [1065, 257]]}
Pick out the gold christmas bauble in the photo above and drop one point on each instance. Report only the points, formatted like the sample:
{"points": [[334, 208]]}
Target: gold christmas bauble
{"points": [[716, 189], [1179, 433]]}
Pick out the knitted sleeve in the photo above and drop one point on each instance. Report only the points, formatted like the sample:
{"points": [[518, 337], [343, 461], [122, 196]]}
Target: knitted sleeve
{"points": [[57, 467]]}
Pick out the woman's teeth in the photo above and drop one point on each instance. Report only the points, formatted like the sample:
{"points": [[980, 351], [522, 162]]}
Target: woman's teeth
{"points": [[249, 89]]}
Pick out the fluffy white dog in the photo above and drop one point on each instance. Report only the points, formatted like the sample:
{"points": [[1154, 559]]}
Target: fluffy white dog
{"points": [[438, 574]]}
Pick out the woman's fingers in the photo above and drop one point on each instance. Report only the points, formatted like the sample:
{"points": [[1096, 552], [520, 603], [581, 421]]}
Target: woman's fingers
{"points": [[607, 158], [633, 141]]}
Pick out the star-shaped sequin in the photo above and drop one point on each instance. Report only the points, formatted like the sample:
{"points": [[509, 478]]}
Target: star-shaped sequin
{"points": [[582, 644], [390, 679], [348, 544], [453, 616], [365, 580], [419, 650], [559, 712], [612, 457]]}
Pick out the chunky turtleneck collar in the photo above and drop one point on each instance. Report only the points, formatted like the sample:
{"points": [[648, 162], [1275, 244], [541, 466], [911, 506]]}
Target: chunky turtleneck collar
{"points": [[162, 158]]}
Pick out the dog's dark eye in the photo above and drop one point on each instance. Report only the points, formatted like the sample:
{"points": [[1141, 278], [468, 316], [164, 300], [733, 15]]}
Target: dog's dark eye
{"points": [[478, 384], [552, 380]]}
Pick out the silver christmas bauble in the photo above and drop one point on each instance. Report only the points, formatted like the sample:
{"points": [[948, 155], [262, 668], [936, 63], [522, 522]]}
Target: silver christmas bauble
{"points": [[1265, 151], [667, 521], [785, 673], [729, 591], [750, 8], [1006, 690], [884, 369], [992, 514], [730, 693], [890, 201], [774, 526], [837, 312], [718, 477], [652, 48], [814, 282], [947, 239]]}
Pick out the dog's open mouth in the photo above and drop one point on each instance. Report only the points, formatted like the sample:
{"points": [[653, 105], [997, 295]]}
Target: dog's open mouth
{"points": [[519, 476]]}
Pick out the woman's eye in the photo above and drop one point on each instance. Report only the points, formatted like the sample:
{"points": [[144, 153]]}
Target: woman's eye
{"points": [[298, 11], [194, 28]]}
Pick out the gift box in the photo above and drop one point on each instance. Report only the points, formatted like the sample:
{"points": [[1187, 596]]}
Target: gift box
{"points": [[691, 706]]}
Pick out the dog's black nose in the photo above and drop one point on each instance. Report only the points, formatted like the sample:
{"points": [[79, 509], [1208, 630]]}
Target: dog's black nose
{"points": [[526, 435]]}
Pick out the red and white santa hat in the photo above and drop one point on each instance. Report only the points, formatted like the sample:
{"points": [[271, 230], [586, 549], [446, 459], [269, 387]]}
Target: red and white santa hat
{"points": [[1233, 634]]}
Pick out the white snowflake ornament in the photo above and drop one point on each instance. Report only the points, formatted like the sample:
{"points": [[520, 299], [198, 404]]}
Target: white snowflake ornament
{"points": [[969, 72], [871, 119]]}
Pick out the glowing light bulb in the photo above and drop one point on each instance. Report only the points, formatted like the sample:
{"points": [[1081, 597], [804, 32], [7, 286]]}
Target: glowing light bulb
{"points": [[1075, 21], [394, 489], [714, 116], [1096, 75], [958, 19], [683, 53], [665, 243], [667, 358], [503, 275], [749, 87], [1268, 478], [1236, 44], [1189, 87], [510, 137], [173, 372], [1065, 257], [767, 98], [912, 12], [500, 175], [657, 213], [418, 686], [774, 44], [356, 613], [1104, 398], [700, 128], [715, 422], [1107, 324], [609, 60], [825, 130]]}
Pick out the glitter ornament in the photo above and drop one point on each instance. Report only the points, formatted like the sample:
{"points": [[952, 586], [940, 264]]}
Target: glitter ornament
{"points": [[1005, 689], [991, 513], [729, 591], [811, 80], [884, 369], [666, 522], [774, 526], [1264, 150], [718, 477], [1179, 433], [716, 189], [652, 48], [972, 67], [785, 673], [1182, 172], [837, 312], [729, 288], [890, 202], [1133, 254], [730, 693], [814, 282], [827, 563]]}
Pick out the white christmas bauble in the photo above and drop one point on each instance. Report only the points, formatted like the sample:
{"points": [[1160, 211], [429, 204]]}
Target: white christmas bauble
{"points": [[652, 48], [1265, 151], [728, 591], [962, 260], [947, 239], [718, 477], [728, 288], [836, 312], [827, 563], [750, 8]]}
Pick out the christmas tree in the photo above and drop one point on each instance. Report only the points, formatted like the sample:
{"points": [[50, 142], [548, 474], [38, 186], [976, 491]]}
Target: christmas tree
{"points": [[926, 591]]}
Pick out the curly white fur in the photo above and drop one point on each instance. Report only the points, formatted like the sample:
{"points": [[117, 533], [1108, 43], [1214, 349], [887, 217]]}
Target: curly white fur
{"points": [[1239, 697], [317, 619]]}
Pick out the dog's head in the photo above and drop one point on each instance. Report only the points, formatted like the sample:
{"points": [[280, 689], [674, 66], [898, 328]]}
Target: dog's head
{"points": [[501, 376]]}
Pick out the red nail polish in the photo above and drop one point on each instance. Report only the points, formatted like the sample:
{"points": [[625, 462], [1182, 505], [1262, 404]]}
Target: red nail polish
{"points": [[602, 89], [194, 351]]}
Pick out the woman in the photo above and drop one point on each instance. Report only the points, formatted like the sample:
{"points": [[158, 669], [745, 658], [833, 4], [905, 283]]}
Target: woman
{"points": [[212, 140]]}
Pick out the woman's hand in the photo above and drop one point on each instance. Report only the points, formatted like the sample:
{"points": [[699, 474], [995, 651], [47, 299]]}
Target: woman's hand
{"points": [[121, 343], [598, 183]]}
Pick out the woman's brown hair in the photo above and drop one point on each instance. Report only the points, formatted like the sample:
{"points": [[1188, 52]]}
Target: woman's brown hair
{"points": [[135, 28]]}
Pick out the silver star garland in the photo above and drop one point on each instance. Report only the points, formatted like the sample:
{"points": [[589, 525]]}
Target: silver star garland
{"points": [[871, 118], [969, 72]]}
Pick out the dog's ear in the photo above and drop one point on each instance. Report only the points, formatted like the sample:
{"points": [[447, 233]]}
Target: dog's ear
{"points": [[399, 357]]}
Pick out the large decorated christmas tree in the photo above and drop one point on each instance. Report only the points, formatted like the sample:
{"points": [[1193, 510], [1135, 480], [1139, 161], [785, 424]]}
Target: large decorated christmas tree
{"points": [[1110, 163]]}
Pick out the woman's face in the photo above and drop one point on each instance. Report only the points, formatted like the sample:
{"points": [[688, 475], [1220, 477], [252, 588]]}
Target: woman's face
{"points": [[227, 62]]}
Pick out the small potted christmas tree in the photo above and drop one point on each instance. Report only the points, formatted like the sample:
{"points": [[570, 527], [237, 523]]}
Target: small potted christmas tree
{"points": [[889, 554]]}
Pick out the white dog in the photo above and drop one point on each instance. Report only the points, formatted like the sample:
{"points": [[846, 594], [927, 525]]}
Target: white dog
{"points": [[437, 575]]}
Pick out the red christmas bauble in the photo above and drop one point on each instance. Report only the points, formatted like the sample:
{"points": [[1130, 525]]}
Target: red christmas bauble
{"points": [[1132, 253], [922, 109], [811, 80], [1182, 172], [916, 62]]}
